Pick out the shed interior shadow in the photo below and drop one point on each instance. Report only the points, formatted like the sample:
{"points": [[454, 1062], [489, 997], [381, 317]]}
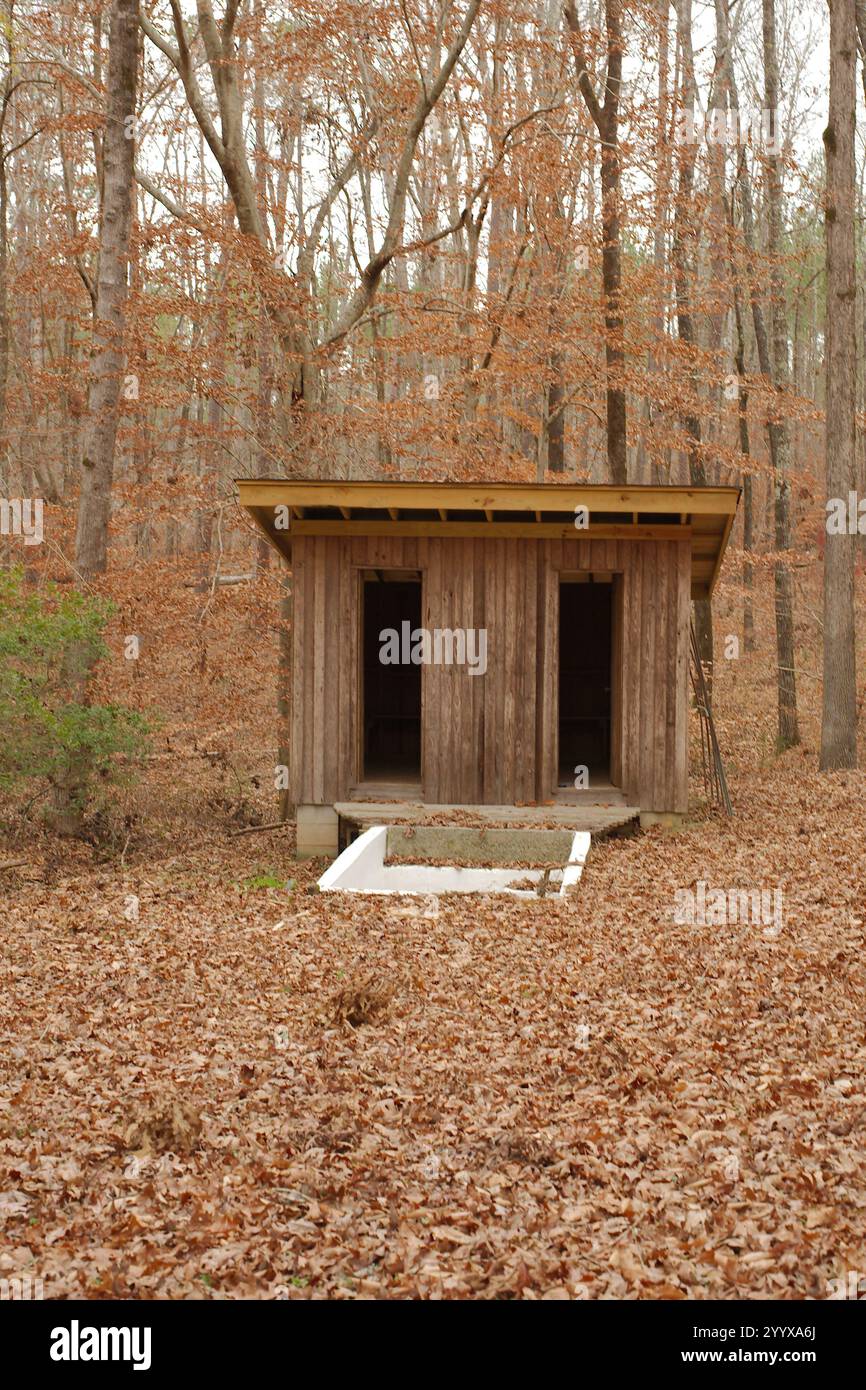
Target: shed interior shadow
{"points": [[391, 697], [585, 650]]}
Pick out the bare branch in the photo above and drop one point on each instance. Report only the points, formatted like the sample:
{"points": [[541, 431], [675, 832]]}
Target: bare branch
{"points": [[181, 213], [390, 245], [583, 80]]}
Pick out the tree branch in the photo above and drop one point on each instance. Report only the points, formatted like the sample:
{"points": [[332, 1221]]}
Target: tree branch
{"points": [[169, 204], [378, 263], [583, 81]]}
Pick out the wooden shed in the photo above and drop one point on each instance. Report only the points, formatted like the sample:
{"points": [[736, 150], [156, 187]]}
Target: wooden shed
{"points": [[490, 644]]}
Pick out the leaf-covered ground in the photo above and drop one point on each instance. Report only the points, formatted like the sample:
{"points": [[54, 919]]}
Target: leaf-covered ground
{"points": [[544, 1101]]}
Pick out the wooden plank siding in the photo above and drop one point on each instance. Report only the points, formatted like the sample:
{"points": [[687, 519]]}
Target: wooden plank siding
{"points": [[492, 739]]}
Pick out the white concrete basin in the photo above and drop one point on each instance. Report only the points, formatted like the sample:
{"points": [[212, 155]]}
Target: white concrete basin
{"points": [[362, 869]]}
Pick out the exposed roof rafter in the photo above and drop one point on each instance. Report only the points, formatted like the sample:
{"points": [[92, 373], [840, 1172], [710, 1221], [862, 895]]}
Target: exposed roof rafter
{"points": [[702, 515]]}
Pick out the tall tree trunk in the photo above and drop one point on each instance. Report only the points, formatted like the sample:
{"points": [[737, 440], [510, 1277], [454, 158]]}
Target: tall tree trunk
{"points": [[555, 414], [839, 722], [745, 450], [4, 297], [284, 693], [264, 366], [141, 447], [5, 97], [787, 688], [777, 432], [554, 404], [660, 201], [684, 240], [605, 116], [717, 314], [264, 411], [106, 365], [105, 373]]}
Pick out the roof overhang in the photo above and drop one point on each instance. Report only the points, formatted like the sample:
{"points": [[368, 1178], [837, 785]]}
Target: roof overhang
{"points": [[284, 508]]}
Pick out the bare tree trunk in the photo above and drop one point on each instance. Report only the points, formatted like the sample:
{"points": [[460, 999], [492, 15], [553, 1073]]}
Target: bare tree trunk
{"points": [[264, 410], [839, 722], [209, 457], [684, 276], [777, 433], [717, 315], [4, 296], [106, 371], [284, 694], [748, 505], [106, 365], [662, 189], [787, 688], [555, 414], [264, 365], [605, 116], [5, 16], [555, 403], [142, 450]]}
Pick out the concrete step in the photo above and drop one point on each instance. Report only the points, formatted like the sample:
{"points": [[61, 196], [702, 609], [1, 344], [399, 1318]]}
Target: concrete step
{"points": [[599, 818]]}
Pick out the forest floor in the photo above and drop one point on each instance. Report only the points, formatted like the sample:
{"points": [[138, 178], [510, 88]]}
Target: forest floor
{"points": [[212, 1086]]}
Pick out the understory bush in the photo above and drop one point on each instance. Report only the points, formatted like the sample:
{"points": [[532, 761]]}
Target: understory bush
{"points": [[54, 738]]}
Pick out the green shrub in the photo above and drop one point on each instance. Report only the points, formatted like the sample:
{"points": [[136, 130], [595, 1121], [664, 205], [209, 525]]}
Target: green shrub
{"points": [[50, 641]]}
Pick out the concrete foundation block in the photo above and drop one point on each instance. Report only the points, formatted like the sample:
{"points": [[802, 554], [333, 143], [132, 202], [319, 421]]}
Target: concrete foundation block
{"points": [[441, 844], [317, 832]]}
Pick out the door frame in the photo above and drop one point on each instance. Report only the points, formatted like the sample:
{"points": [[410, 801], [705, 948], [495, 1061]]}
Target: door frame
{"points": [[572, 575], [414, 574]]}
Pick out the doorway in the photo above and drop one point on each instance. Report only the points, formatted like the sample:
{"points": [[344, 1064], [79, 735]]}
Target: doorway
{"points": [[391, 680], [585, 681]]}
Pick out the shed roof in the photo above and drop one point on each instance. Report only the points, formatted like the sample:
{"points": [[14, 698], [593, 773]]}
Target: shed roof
{"points": [[284, 508]]}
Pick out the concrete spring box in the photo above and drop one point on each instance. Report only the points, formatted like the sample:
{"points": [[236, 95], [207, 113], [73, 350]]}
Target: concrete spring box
{"points": [[490, 861]]}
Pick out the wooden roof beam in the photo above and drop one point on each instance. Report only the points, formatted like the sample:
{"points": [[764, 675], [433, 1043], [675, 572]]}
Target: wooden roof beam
{"points": [[493, 497], [531, 530]]}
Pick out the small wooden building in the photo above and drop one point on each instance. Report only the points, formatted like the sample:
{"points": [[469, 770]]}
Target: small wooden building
{"points": [[472, 644]]}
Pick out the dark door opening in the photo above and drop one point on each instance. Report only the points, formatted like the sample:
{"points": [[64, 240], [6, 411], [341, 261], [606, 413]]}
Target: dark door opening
{"points": [[391, 695], [585, 647]]}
